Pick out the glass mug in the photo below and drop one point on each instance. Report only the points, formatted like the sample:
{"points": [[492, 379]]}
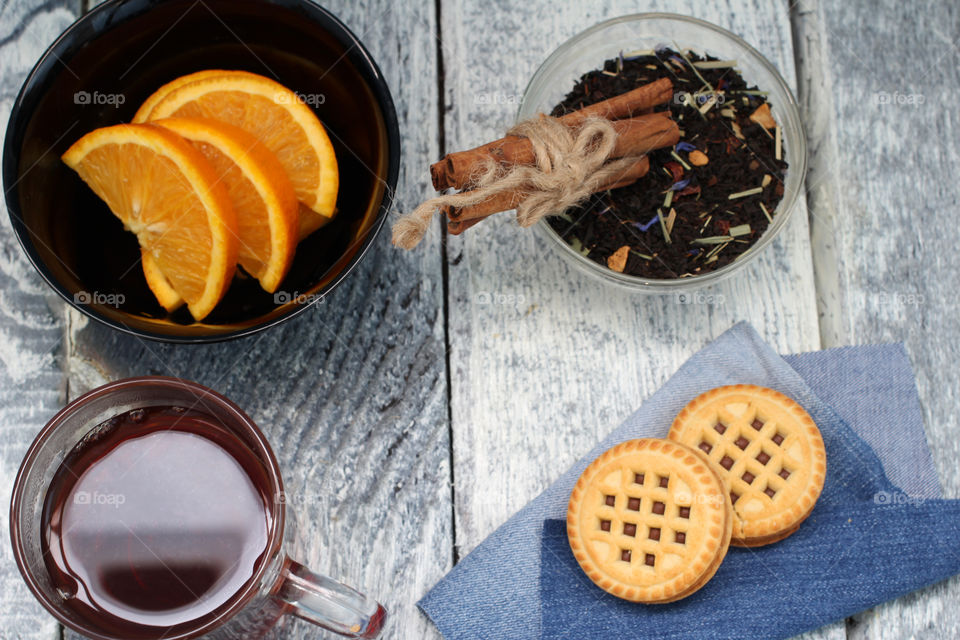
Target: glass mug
{"points": [[276, 585]]}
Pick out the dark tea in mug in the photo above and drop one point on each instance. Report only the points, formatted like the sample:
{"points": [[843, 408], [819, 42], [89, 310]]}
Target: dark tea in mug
{"points": [[149, 509], [155, 519]]}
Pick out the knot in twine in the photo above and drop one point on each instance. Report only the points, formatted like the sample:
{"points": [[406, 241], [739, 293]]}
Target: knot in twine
{"points": [[571, 164]]}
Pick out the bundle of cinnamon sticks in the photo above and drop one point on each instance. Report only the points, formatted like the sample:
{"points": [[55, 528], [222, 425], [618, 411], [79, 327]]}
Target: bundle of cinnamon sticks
{"points": [[639, 130]]}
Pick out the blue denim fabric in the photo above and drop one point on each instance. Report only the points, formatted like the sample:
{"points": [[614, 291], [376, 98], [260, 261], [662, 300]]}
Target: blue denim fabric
{"points": [[494, 593], [845, 558], [859, 548], [873, 390]]}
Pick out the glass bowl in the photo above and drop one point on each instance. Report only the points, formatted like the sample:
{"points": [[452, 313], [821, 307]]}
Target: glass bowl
{"points": [[589, 49]]}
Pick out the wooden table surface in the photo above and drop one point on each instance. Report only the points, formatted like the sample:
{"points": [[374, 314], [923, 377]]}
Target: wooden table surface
{"points": [[439, 390]]}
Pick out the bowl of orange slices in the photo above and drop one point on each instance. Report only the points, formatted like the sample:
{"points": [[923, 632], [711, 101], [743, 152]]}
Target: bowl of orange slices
{"points": [[192, 172]]}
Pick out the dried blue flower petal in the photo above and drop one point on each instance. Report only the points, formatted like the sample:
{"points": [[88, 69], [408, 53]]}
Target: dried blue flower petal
{"points": [[680, 184], [644, 227], [685, 146], [677, 59]]}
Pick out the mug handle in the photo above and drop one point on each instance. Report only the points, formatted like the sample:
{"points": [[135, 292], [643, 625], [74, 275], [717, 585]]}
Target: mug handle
{"points": [[329, 604]]}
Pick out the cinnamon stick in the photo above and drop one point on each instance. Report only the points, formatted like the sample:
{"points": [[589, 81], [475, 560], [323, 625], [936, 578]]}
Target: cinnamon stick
{"points": [[454, 169], [625, 105], [456, 227], [466, 217], [635, 136], [511, 199]]}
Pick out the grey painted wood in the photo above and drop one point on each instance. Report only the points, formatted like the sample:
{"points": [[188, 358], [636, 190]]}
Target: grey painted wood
{"points": [[544, 361], [352, 394], [31, 322], [883, 216]]}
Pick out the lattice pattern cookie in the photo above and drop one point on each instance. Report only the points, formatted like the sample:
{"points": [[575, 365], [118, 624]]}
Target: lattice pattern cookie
{"points": [[768, 451], [649, 521]]}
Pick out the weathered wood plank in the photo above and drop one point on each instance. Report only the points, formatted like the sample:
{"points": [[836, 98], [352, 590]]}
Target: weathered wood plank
{"points": [[352, 394], [31, 321], [545, 361], [877, 81]]}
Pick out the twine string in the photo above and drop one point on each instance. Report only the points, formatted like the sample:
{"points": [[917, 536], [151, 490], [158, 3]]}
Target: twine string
{"points": [[571, 164]]}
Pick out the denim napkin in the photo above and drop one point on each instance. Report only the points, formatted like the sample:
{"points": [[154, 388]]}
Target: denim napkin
{"points": [[845, 558], [495, 591], [863, 545]]}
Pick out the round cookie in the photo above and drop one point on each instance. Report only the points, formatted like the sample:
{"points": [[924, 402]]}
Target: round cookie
{"points": [[768, 451], [649, 521]]}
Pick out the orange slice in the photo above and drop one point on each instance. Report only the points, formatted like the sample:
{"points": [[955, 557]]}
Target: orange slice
{"points": [[259, 190], [161, 288], [273, 114], [165, 192], [143, 112]]}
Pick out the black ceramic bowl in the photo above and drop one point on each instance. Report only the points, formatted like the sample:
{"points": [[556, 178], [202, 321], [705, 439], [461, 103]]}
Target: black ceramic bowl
{"points": [[97, 74]]}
